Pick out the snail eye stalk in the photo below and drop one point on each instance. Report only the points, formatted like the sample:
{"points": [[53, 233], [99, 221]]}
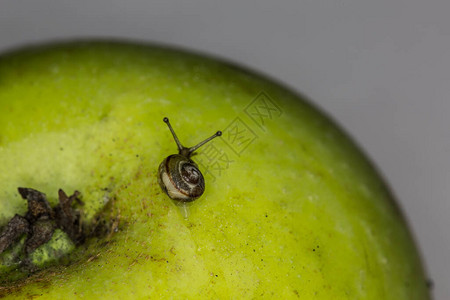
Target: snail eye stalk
{"points": [[184, 150]]}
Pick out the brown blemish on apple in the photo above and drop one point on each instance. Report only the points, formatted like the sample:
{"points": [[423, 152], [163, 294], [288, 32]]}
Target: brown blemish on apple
{"points": [[43, 279]]}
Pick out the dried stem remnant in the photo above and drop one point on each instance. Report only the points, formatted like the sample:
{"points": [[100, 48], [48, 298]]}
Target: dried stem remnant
{"points": [[41, 220], [68, 219], [17, 226]]}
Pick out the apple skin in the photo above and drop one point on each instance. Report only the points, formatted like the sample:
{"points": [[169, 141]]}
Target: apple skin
{"points": [[297, 211]]}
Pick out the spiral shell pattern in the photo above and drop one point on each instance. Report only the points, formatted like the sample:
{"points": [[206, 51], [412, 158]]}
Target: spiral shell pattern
{"points": [[180, 178]]}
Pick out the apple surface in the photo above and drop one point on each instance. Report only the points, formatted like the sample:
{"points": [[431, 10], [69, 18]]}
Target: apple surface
{"points": [[291, 208]]}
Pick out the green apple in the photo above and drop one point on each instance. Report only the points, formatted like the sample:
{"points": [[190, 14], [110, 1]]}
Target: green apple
{"points": [[291, 209]]}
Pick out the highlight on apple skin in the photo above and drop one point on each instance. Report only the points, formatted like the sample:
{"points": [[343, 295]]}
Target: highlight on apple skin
{"points": [[291, 207]]}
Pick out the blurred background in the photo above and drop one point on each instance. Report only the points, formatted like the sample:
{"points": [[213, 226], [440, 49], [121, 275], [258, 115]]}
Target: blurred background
{"points": [[380, 68]]}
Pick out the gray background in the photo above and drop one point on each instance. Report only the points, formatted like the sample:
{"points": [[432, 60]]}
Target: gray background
{"points": [[381, 68]]}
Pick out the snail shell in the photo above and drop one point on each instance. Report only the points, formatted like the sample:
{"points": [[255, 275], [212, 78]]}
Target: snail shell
{"points": [[180, 178]]}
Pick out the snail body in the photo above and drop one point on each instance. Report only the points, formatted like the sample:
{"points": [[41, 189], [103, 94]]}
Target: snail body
{"points": [[179, 176]]}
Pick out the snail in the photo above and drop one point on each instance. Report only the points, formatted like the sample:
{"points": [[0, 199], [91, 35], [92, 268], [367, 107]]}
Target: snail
{"points": [[179, 177]]}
